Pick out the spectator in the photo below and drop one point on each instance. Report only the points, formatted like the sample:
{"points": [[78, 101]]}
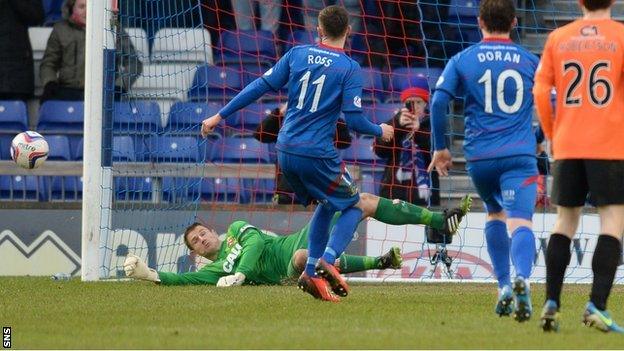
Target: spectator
{"points": [[408, 153], [17, 75], [270, 12], [267, 133], [63, 65]]}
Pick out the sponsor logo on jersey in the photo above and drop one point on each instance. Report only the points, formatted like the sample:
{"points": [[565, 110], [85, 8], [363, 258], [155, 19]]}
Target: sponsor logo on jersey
{"points": [[588, 31], [230, 260]]}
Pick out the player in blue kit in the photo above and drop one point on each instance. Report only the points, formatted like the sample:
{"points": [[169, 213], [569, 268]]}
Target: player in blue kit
{"points": [[495, 77], [322, 82]]}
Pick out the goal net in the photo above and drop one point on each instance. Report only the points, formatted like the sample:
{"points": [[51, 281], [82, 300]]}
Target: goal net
{"points": [[156, 69]]}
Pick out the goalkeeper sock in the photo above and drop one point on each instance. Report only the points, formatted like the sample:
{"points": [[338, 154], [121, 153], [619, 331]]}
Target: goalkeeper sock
{"points": [[342, 234], [604, 265], [350, 263], [405, 213], [557, 259], [317, 237], [523, 251], [498, 248]]}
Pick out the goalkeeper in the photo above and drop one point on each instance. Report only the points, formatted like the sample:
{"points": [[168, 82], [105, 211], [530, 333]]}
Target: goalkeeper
{"points": [[249, 256]]}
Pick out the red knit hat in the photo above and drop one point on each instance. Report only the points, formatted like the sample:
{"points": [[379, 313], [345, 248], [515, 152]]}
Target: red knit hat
{"points": [[419, 87]]}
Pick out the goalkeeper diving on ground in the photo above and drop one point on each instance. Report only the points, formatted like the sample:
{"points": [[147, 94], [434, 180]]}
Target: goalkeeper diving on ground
{"points": [[249, 256]]}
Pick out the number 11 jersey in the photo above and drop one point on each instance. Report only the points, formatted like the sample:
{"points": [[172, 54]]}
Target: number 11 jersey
{"points": [[495, 77], [322, 82]]}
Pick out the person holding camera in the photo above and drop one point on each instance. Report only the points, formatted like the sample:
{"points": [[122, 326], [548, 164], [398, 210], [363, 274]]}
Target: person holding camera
{"points": [[408, 154]]}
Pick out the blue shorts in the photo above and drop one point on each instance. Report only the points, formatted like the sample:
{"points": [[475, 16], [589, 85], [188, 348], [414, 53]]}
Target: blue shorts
{"points": [[508, 183], [323, 179]]}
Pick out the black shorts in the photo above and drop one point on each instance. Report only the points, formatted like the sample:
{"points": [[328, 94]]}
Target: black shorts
{"points": [[573, 179]]}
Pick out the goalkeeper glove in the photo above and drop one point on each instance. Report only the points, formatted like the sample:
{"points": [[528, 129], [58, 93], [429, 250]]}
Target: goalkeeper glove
{"points": [[231, 280], [137, 269]]}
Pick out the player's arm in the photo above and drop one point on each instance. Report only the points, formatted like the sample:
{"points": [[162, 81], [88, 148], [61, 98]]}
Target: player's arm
{"points": [[544, 81], [136, 268], [446, 88], [273, 79], [253, 245]]}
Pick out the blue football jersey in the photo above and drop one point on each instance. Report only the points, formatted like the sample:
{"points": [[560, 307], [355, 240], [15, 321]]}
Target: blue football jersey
{"points": [[496, 79], [322, 82]]}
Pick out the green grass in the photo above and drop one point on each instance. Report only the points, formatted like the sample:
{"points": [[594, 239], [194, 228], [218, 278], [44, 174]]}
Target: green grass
{"points": [[49, 314]]}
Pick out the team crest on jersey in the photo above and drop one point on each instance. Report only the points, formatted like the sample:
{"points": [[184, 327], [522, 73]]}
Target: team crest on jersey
{"points": [[589, 31], [230, 241], [357, 101]]}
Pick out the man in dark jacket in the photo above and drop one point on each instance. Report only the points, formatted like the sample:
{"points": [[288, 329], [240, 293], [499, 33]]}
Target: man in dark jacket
{"points": [[17, 77], [408, 154], [267, 131], [63, 65]]}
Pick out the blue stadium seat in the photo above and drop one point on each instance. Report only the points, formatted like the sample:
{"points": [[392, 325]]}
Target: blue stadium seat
{"points": [[381, 113], [181, 190], [247, 46], [123, 149], [61, 117], [136, 117], [13, 117], [220, 190], [250, 117], [65, 188], [361, 153], [173, 149], [463, 11], [59, 149], [372, 86], [215, 83], [132, 188], [186, 117], [21, 188], [5, 146], [78, 150], [243, 149], [257, 190], [52, 11], [359, 49]]}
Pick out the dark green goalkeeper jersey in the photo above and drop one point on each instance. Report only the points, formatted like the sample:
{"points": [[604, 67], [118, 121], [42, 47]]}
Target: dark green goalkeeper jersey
{"points": [[264, 259]]}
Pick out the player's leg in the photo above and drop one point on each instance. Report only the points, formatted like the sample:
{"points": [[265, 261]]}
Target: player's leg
{"points": [[519, 191], [606, 186], [332, 185], [349, 263], [486, 176], [399, 212], [569, 193], [293, 167]]}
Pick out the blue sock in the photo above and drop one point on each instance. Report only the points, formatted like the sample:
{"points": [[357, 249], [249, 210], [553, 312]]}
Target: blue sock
{"points": [[317, 237], [523, 251], [498, 248], [342, 234]]}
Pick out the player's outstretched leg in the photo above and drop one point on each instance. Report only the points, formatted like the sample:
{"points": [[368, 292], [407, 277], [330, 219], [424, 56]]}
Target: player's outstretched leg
{"points": [[522, 300], [549, 320], [504, 305], [391, 259], [317, 287], [601, 320], [332, 276], [454, 216]]}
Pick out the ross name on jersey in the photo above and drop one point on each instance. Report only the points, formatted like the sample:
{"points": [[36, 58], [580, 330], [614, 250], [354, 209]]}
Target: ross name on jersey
{"points": [[497, 55], [319, 60]]}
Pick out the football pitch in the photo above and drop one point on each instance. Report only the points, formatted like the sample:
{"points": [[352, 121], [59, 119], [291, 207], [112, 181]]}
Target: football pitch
{"points": [[70, 314]]}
